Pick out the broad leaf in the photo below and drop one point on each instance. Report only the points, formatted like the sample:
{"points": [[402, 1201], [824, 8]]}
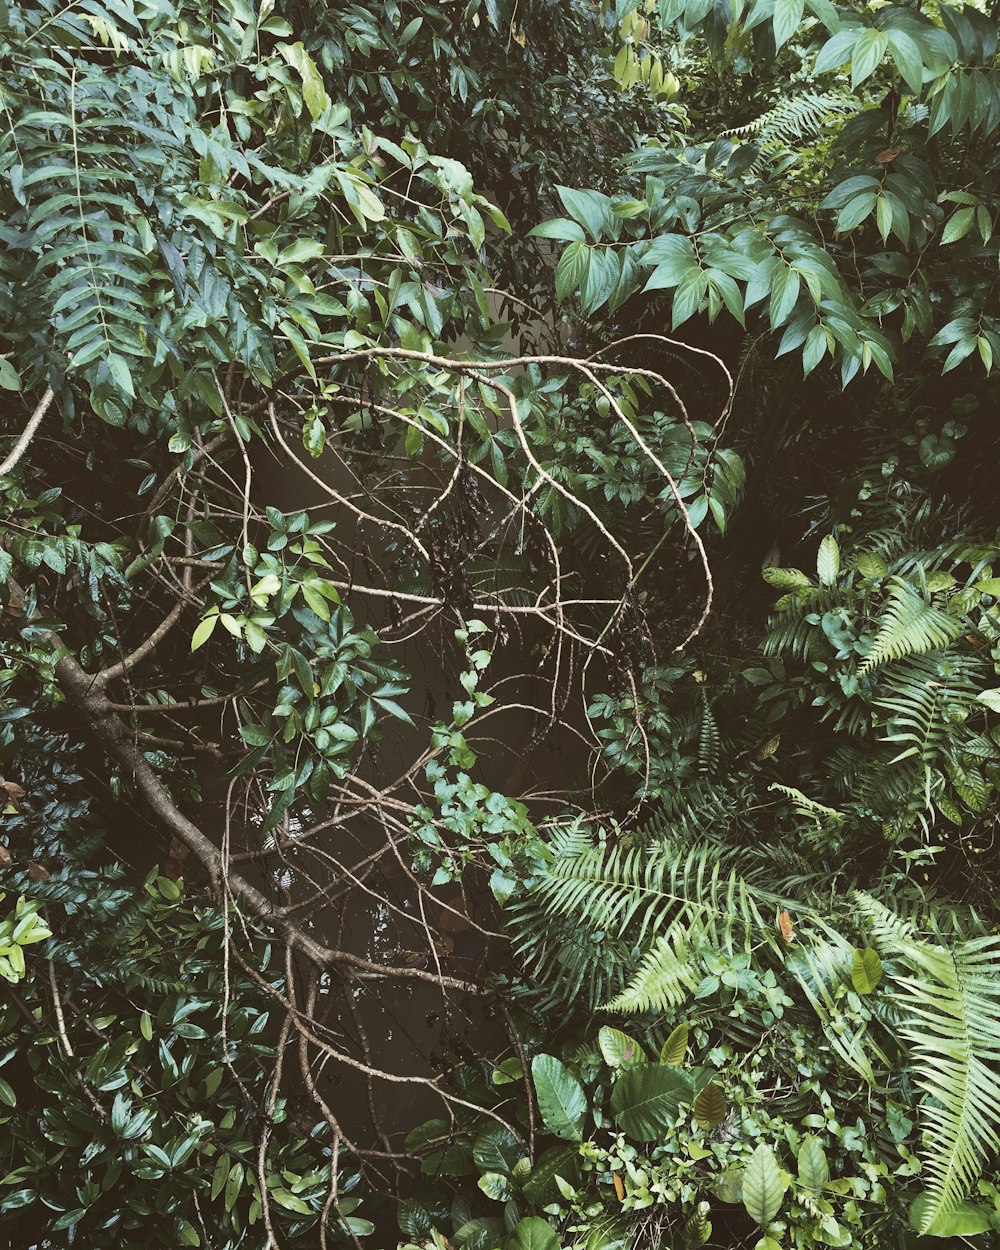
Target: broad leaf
{"points": [[675, 1047], [534, 1234], [828, 560], [866, 971], [814, 1170], [647, 1100], [562, 1102], [764, 1185], [710, 1106], [619, 1050]]}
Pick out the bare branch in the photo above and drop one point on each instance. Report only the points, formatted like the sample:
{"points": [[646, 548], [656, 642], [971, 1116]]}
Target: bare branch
{"points": [[24, 442]]}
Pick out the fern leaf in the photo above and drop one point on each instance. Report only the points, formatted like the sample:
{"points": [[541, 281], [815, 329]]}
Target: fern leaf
{"points": [[952, 1001], [795, 118], [665, 978], [909, 625]]}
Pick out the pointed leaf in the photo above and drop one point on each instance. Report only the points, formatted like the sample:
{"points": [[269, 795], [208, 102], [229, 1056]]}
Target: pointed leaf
{"points": [[534, 1234], [675, 1046], [561, 1100], [828, 560], [764, 1186], [710, 1106], [619, 1050], [646, 1100], [814, 1170]]}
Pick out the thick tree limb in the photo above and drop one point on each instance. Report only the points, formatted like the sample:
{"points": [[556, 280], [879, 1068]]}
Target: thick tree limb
{"points": [[119, 742]]}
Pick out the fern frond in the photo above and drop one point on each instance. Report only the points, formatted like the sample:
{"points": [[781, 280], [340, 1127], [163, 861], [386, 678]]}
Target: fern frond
{"points": [[795, 118], [910, 625], [926, 699], [822, 969], [952, 1003], [634, 894], [709, 741], [818, 813], [666, 977]]}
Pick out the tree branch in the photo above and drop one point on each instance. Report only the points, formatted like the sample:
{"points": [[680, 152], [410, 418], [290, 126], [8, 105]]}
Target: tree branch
{"points": [[23, 443]]}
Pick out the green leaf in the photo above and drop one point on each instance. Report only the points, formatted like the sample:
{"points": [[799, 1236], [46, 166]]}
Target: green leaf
{"points": [[867, 56], [619, 1050], [187, 1234], [866, 971], [814, 1170], [7, 1095], [729, 1186], [787, 18], [571, 269], [710, 1105], [203, 631], [784, 295], [958, 226], [688, 296], [764, 1185], [534, 1234], [675, 1047], [674, 257], [146, 1026], [647, 1100], [120, 372], [828, 561], [220, 1175], [856, 210], [496, 1149], [10, 379], [540, 1187], [233, 1186], [496, 1186], [785, 579], [964, 1220], [906, 53], [300, 251], [590, 208], [558, 228], [562, 1102]]}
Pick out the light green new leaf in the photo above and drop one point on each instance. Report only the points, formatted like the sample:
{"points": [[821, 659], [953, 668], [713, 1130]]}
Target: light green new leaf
{"points": [[203, 631], [619, 1050], [866, 971], [675, 1046], [764, 1185], [828, 560]]}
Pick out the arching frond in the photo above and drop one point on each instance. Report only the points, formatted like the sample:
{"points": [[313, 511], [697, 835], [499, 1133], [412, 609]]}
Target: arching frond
{"points": [[794, 118], [635, 894], [667, 976], [952, 1002], [909, 625]]}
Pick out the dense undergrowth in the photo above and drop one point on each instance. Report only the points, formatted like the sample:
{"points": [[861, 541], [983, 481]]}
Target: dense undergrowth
{"points": [[499, 508]]}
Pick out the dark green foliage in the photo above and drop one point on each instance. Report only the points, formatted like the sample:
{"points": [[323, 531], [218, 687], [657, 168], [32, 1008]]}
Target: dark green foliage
{"points": [[138, 1066], [509, 515]]}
